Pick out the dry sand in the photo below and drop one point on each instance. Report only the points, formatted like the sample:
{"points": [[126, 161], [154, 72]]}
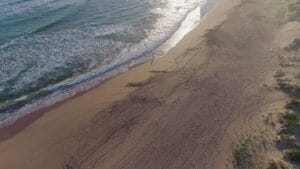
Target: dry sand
{"points": [[179, 112]]}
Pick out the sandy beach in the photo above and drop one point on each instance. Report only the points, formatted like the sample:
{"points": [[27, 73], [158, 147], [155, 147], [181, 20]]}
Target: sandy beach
{"points": [[180, 111]]}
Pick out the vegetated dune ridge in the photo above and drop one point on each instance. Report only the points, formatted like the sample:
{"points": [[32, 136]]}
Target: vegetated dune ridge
{"points": [[180, 111]]}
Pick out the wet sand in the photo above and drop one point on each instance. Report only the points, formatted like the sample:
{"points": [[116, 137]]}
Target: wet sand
{"points": [[180, 111]]}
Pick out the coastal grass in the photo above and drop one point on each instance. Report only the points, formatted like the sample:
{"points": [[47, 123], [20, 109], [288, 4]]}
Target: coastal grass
{"points": [[292, 119], [291, 89], [295, 46], [291, 132], [278, 165], [294, 154], [247, 154], [294, 105], [244, 157]]}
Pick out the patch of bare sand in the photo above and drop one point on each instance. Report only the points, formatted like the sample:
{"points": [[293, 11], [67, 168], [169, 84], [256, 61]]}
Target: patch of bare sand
{"points": [[181, 112]]}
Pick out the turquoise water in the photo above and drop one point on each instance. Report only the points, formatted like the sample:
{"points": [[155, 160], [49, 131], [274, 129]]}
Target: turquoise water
{"points": [[49, 47]]}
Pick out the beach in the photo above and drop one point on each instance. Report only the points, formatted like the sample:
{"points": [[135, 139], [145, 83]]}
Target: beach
{"points": [[183, 110]]}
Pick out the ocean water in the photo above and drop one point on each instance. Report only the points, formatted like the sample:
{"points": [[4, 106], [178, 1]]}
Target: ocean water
{"points": [[52, 49]]}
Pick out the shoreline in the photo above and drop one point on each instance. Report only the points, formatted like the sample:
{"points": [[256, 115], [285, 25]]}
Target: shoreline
{"points": [[84, 84], [11, 129]]}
